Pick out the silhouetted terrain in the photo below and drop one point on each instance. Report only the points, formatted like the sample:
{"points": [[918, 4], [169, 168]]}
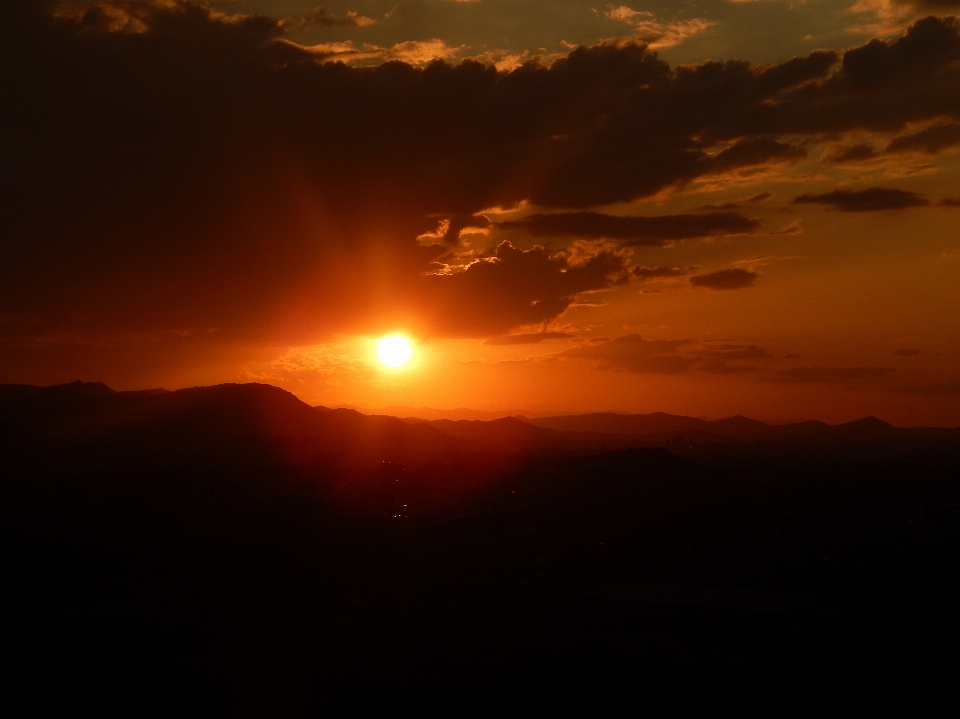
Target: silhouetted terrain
{"points": [[451, 414], [230, 550], [651, 427]]}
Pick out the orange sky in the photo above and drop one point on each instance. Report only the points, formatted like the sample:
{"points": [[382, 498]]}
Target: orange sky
{"points": [[193, 198]]}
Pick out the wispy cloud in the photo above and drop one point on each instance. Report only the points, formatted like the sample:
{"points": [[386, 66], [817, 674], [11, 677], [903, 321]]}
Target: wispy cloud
{"points": [[832, 374], [733, 279], [320, 16], [655, 33], [412, 52]]}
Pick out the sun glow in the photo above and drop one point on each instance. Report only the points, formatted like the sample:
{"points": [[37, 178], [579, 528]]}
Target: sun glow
{"points": [[394, 350]]}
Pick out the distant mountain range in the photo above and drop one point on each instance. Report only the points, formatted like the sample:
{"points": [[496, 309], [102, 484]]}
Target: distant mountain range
{"points": [[458, 413], [84, 412], [659, 424]]}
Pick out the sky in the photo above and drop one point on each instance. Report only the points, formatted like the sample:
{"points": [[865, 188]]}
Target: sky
{"points": [[706, 208]]}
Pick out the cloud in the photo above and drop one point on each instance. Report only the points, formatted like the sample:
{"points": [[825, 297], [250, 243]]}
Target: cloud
{"points": [[632, 353], [323, 364], [757, 151], [891, 16], [720, 367], [732, 279], [510, 288], [872, 199], [168, 166], [932, 6], [737, 352], [841, 154], [662, 272], [720, 206], [906, 353], [626, 14], [930, 140], [320, 16], [658, 34], [633, 230], [528, 338], [418, 52], [832, 374], [452, 229], [942, 389], [412, 52], [716, 359]]}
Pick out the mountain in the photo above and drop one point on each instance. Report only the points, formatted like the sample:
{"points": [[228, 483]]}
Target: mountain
{"points": [[233, 546], [457, 414], [659, 427], [213, 416], [611, 423], [223, 415], [513, 435]]}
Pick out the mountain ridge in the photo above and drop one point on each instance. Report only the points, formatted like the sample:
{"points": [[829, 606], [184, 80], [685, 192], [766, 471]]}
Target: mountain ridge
{"points": [[216, 413]]}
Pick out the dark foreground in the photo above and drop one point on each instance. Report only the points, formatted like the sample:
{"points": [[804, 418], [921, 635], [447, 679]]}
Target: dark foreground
{"points": [[208, 558]]}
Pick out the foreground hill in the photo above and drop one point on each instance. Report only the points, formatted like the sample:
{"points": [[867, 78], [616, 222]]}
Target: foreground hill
{"points": [[208, 416]]}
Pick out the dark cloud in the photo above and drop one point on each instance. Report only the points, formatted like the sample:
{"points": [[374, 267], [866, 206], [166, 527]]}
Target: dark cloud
{"points": [[320, 16], [832, 374], [872, 199], [716, 359], [757, 151], [931, 6], [942, 389], [906, 353], [737, 352], [528, 338], [930, 140], [733, 279], [632, 353], [721, 206], [635, 230], [794, 73], [851, 153], [663, 272], [168, 169], [721, 367], [948, 202], [513, 287]]}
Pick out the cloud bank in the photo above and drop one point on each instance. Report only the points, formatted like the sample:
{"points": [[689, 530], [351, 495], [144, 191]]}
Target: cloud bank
{"points": [[169, 168]]}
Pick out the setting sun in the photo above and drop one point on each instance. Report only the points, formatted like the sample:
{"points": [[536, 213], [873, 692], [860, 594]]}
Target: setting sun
{"points": [[394, 350]]}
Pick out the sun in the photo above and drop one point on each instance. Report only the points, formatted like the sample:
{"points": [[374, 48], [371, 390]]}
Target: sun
{"points": [[394, 350]]}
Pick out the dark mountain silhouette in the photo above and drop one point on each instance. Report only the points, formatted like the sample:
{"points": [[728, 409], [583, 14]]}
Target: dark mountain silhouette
{"points": [[498, 430], [514, 435], [232, 551], [611, 423], [868, 426], [660, 426], [218, 414], [203, 415], [456, 414]]}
